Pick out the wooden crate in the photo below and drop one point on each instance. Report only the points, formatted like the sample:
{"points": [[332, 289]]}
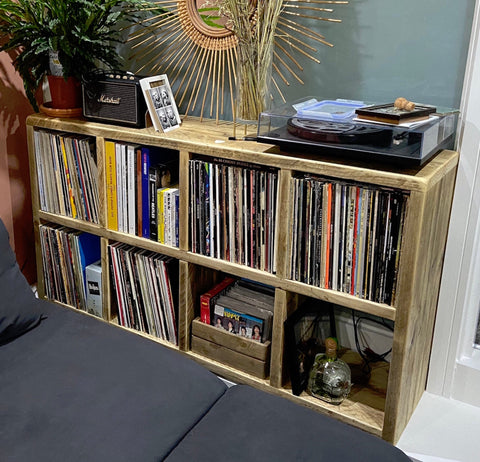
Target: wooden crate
{"points": [[241, 353]]}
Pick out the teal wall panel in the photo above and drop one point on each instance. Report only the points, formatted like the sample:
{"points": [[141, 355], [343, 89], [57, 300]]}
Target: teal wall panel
{"points": [[384, 49]]}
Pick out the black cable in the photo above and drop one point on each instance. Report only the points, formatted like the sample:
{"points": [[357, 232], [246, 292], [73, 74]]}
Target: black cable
{"points": [[367, 354], [309, 330]]}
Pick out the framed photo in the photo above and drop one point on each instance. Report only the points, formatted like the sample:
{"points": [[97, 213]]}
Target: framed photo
{"points": [[160, 102], [305, 333]]}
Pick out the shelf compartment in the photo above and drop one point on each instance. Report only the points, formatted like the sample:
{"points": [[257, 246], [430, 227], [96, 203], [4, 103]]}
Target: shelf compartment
{"points": [[241, 353], [66, 253], [339, 298], [346, 236], [141, 186], [67, 174], [365, 405], [357, 411], [233, 211], [144, 289]]}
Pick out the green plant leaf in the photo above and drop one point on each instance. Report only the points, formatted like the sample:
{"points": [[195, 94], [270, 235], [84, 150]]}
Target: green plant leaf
{"points": [[84, 32]]}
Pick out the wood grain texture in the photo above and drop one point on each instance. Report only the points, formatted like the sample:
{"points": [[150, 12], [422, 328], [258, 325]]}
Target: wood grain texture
{"points": [[282, 246], [418, 287], [184, 203], [225, 355], [194, 280], [186, 304], [36, 210], [107, 311], [211, 138], [248, 347], [285, 304]]}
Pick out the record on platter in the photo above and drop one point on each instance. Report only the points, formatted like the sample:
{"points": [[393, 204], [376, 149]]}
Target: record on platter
{"points": [[338, 132]]}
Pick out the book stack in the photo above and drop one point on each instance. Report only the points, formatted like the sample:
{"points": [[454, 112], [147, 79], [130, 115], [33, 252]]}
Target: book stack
{"points": [[233, 208], [67, 175], [145, 285], [242, 308], [164, 224], [142, 196], [347, 236], [66, 255]]}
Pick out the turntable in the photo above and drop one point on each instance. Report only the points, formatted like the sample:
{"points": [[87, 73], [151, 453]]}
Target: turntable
{"points": [[346, 137]]}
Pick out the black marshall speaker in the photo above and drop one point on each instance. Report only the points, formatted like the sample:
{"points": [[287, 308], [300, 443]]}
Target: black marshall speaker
{"points": [[115, 98]]}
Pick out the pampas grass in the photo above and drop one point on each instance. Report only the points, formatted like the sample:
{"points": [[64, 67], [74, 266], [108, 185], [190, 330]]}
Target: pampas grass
{"points": [[254, 24]]}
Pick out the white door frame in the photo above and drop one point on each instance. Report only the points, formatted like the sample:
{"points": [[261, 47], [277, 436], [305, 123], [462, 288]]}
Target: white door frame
{"points": [[455, 364]]}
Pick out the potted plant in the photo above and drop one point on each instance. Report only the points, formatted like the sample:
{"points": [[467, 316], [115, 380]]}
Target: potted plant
{"points": [[64, 37]]}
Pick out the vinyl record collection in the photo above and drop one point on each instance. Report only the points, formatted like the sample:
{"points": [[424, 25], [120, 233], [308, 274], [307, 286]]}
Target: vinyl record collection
{"points": [[66, 254], [347, 236], [233, 209], [67, 174], [145, 285]]}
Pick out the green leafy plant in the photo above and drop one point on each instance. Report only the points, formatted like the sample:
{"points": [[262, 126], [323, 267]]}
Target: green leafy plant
{"points": [[83, 32]]}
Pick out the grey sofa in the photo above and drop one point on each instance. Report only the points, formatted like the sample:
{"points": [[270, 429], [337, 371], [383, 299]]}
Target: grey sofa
{"points": [[74, 388]]}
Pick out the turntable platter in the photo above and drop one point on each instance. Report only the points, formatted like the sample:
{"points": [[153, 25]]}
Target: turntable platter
{"points": [[334, 132]]}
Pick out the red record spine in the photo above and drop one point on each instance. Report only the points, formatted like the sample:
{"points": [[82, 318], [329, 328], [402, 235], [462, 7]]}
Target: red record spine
{"points": [[206, 298]]}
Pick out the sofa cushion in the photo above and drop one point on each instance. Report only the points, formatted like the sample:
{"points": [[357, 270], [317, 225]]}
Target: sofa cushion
{"points": [[19, 309], [247, 424], [76, 388]]}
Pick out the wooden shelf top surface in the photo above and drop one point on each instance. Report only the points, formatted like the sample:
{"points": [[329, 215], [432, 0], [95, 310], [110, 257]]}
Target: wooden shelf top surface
{"points": [[211, 138]]}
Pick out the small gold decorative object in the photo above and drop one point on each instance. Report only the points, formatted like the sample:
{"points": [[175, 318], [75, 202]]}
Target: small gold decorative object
{"points": [[196, 44], [404, 104]]}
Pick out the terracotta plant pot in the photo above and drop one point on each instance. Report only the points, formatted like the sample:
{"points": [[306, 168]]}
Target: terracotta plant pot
{"points": [[66, 94]]}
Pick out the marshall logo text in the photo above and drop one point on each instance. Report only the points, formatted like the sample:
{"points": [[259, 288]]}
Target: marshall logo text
{"points": [[108, 99]]}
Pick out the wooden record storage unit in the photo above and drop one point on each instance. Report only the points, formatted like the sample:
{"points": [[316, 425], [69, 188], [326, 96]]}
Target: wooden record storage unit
{"points": [[382, 410]]}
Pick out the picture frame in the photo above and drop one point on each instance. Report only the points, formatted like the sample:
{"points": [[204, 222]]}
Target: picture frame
{"points": [[160, 102], [305, 333]]}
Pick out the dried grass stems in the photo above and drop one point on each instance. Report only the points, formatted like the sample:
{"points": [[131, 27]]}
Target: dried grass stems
{"points": [[254, 23]]}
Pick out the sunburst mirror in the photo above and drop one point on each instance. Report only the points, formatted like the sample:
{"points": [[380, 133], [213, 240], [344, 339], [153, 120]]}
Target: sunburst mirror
{"points": [[191, 42]]}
